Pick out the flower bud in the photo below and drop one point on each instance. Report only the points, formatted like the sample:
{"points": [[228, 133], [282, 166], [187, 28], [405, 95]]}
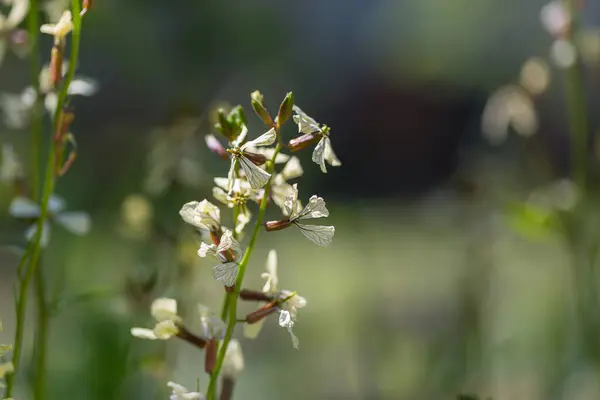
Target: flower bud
{"points": [[285, 109], [301, 142], [55, 66], [257, 159], [227, 387], [210, 356], [259, 108], [189, 337], [252, 295], [216, 147], [271, 226], [224, 125], [261, 313]]}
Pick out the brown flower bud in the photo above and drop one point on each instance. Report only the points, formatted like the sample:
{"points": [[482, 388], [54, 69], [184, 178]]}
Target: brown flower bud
{"points": [[257, 159], [261, 313], [271, 226], [302, 142], [216, 147], [189, 337], [227, 387], [55, 66], [252, 295], [210, 356]]}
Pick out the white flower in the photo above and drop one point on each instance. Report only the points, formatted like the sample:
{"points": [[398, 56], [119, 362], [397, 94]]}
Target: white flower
{"points": [[555, 18], [181, 393], [76, 222], [563, 53], [233, 363], [280, 189], [203, 215], [11, 168], [212, 326], [288, 302], [61, 29], [240, 193], [318, 234], [228, 252], [17, 14], [164, 311], [323, 150], [256, 176]]}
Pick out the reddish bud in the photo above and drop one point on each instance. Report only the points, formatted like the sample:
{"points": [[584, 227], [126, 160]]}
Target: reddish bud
{"points": [[261, 313], [189, 337], [271, 226], [216, 147], [210, 356], [252, 295], [55, 67], [227, 387], [302, 142], [257, 159]]}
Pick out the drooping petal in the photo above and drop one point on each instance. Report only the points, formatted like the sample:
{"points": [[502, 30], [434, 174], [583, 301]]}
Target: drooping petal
{"points": [[295, 340], [318, 155], [329, 155], [266, 139], [83, 87], [305, 123], [226, 273], [22, 207], [17, 14], [285, 319], [271, 274], [32, 230], [314, 209], [233, 363], [291, 203], [241, 137], [206, 249], [222, 196], [228, 242], [256, 176], [143, 333], [76, 222], [202, 214], [231, 173], [251, 331], [318, 234]]}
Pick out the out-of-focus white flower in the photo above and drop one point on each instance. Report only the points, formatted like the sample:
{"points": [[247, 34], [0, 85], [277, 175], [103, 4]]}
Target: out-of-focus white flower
{"points": [[55, 9], [76, 222], [233, 363], [323, 150], [256, 176], [535, 75], [228, 252], [212, 326], [61, 29], [280, 188], [181, 393], [136, 215], [555, 18], [164, 311], [8, 23], [509, 107], [563, 53], [288, 302], [11, 169], [202, 215], [17, 108], [318, 234], [239, 195]]}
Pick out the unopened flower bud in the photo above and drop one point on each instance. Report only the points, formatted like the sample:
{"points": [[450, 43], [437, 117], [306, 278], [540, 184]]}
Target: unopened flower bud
{"points": [[259, 108], [257, 159], [252, 295], [224, 126], [261, 313], [210, 356], [56, 65], [303, 141], [271, 226], [216, 147], [285, 109], [227, 388]]}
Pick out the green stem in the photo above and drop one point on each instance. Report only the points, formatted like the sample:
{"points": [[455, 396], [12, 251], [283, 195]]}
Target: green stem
{"points": [[226, 301], [41, 335], [49, 182], [33, 28], [240, 278]]}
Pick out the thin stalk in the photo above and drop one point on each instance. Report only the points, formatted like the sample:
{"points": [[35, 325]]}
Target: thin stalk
{"points": [[225, 308], [49, 182], [240, 279], [41, 335]]}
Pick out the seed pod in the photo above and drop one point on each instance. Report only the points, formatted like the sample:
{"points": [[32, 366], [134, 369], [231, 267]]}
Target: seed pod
{"points": [[302, 142], [271, 226]]}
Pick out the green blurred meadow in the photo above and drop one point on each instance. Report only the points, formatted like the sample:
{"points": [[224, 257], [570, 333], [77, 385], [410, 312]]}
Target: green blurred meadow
{"points": [[442, 280]]}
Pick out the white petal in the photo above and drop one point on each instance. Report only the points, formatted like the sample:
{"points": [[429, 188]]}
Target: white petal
{"points": [[266, 139], [318, 234], [251, 331], [256, 176], [271, 275], [314, 209], [223, 183], [231, 173], [51, 102], [305, 123], [11, 168], [142, 333], [206, 249], [17, 13], [55, 204], [166, 329], [291, 203], [75, 222], [285, 319], [229, 243], [329, 155], [242, 220], [241, 137], [83, 87], [293, 169], [226, 273], [222, 196], [318, 155], [22, 207], [202, 214], [15, 112], [233, 363], [295, 340], [32, 230], [163, 309]]}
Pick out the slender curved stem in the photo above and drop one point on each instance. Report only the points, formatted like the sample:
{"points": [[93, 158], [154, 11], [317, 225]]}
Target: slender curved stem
{"points": [[232, 320], [49, 181]]}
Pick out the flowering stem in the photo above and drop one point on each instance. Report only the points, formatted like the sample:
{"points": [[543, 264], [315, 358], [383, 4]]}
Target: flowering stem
{"points": [[240, 278], [49, 182], [227, 300]]}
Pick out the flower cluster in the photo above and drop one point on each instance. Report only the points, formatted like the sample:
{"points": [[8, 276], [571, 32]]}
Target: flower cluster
{"points": [[253, 178]]}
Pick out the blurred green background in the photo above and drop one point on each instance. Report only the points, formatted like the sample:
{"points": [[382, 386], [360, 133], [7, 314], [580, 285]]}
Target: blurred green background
{"points": [[432, 288]]}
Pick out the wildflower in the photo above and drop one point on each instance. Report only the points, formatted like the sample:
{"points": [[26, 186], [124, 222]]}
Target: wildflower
{"points": [[228, 253], [164, 311], [280, 189], [202, 215], [61, 29], [250, 161], [181, 393], [233, 363], [284, 301], [17, 14], [239, 195], [318, 234], [11, 169], [314, 132], [76, 222]]}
